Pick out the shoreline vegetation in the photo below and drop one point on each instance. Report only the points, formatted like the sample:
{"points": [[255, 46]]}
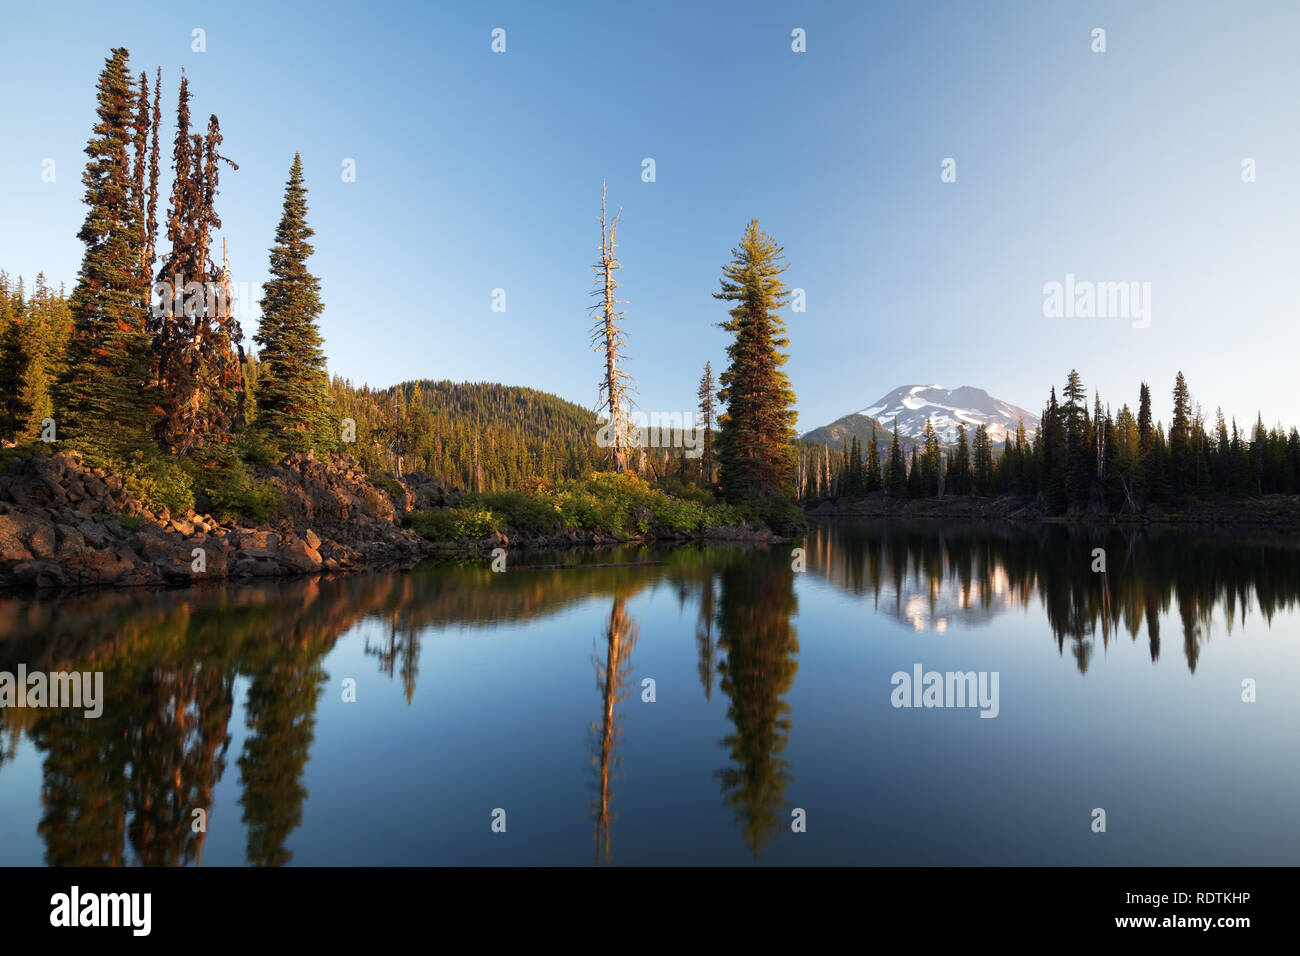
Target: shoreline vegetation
{"points": [[1279, 511]]}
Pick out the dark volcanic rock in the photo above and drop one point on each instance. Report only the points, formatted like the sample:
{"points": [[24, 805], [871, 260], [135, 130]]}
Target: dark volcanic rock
{"points": [[63, 524]]}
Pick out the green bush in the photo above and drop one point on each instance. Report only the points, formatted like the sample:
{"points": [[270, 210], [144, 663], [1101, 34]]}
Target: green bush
{"points": [[159, 481], [226, 489], [477, 522], [679, 516], [535, 513], [451, 524], [255, 448], [721, 516], [784, 517], [440, 525]]}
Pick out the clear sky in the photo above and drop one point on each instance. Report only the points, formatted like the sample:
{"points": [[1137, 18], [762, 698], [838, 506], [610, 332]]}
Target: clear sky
{"points": [[477, 170]]}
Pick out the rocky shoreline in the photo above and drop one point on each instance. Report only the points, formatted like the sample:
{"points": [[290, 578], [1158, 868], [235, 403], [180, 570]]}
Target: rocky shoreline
{"points": [[64, 524]]}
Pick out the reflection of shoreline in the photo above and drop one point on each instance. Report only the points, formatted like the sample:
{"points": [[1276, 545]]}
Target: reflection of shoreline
{"points": [[929, 576]]}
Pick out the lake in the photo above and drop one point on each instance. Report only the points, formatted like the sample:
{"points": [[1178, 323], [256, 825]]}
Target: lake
{"points": [[699, 705]]}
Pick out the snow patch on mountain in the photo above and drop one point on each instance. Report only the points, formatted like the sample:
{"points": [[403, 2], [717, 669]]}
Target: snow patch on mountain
{"points": [[947, 409]]}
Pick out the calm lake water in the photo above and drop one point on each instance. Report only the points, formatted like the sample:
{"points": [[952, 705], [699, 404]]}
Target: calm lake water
{"points": [[773, 703]]}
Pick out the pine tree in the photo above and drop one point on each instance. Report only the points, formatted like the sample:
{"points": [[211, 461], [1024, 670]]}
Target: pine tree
{"points": [[959, 469], [982, 462], [874, 482], [14, 410], [292, 407], [915, 486], [755, 453], [1074, 418], [102, 399], [1052, 454], [1180, 438], [198, 371], [895, 466], [930, 462], [1145, 446], [706, 394]]}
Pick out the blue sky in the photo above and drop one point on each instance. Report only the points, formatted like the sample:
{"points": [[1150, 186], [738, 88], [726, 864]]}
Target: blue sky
{"points": [[478, 171]]}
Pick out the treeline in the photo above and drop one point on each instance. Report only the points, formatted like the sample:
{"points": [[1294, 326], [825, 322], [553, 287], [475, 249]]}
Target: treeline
{"points": [[477, 436], [1080, 459], [482, 436], [34, 329]]}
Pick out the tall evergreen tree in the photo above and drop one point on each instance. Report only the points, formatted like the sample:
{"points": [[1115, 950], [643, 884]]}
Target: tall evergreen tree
{"points": [[896, 467], [1052, 455], [102, 399], [755, 453], [1146, 439], [1180, 438], [982, 462], [292, 407], [199, 375], [14, 410], [706, 395], [874, 482], [915, 486], [959, 469], [930, 461]]}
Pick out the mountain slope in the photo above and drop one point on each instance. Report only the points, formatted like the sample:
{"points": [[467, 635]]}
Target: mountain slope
{"points": [[859, 426], [945, 408]]}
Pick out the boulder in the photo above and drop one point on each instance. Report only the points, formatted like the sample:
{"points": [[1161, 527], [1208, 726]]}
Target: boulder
{"points": [[39, 574], [42, 541], [298, 556], [14, 530]]}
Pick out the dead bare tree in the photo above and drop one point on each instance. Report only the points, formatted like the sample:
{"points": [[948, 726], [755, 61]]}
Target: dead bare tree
{"points": [[607, 338]]}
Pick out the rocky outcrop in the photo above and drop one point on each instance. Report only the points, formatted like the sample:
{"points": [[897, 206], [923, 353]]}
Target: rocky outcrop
{"points": [[63, 524], [420, 491]]}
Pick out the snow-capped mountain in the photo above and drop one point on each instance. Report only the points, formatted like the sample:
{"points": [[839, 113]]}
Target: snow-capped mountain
{"points": [[946, 408]]}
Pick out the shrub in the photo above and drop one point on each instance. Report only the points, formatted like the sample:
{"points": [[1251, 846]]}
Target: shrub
{"points": [[227, 490], [535, 513], [449, 524], [679, 516], [255, 448], [721, 516], [159, 481], [477, 522], [784, 517], [440, 525]]}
